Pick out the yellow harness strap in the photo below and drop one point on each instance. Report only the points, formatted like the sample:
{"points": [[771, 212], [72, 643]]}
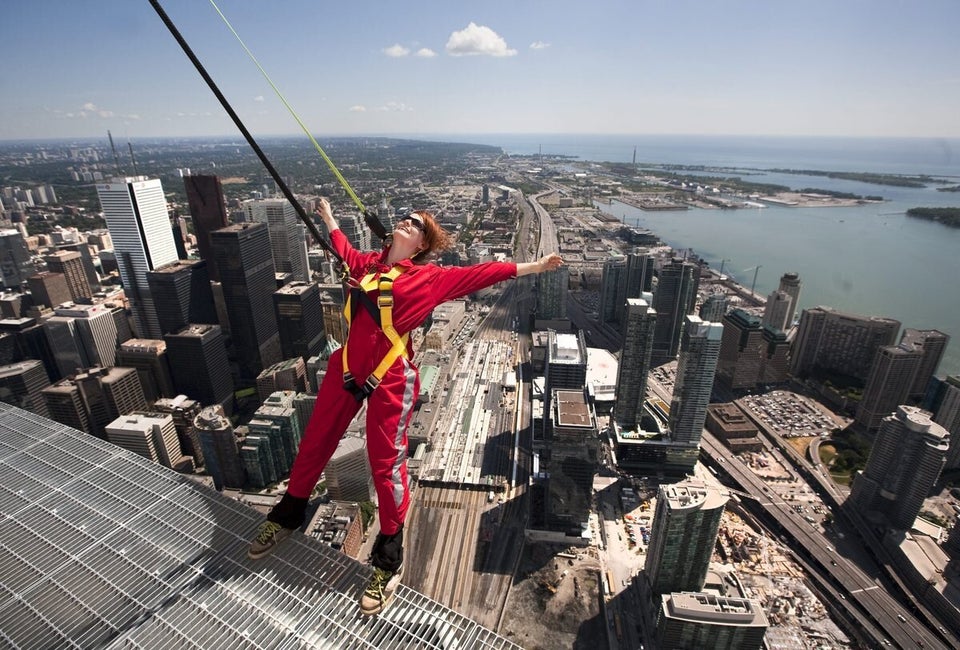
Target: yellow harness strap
{"points": [[384, 283]]}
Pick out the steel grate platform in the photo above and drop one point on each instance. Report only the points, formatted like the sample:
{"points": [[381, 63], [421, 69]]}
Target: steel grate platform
{"points": [[100, 548]]}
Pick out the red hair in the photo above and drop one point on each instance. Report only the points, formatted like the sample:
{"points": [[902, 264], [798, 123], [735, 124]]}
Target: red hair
{"points": [[435, 238]]}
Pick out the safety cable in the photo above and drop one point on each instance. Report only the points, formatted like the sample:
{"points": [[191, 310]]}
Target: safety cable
{"points": [[372, 222], [246, 134]]}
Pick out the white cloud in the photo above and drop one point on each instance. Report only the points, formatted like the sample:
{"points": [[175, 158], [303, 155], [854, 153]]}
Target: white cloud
{"points": [[395, 107], [396, 51], [425, 53], [477, 40], [89, 106], [258, 98], [539, 45], [358, 108]]}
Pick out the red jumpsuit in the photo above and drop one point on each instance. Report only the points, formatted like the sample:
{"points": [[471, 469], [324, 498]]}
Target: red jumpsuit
{"points": [[416, 292]]}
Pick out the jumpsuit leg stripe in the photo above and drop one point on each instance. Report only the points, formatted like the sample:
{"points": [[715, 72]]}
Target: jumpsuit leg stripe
{"points": [[399, 489]]}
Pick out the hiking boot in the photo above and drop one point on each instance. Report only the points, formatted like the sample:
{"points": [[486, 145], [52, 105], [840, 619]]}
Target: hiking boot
{"points": [[269, 536], [379, 591]]}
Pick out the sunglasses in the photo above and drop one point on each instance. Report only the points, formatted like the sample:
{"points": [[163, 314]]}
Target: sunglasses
{"points": [[416, 221]]}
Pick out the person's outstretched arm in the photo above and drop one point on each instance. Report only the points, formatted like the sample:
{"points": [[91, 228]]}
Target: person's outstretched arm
{"points": [[549, 262]]}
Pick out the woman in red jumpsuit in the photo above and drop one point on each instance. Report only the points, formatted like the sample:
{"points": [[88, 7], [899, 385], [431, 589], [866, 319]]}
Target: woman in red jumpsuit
{"points": [[417, 290]]}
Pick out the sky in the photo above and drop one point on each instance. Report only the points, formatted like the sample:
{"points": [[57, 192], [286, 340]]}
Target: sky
{"points": [[432, 67]]}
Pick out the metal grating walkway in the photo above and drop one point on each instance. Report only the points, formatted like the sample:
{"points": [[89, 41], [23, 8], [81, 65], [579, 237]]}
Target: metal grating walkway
{"points": [[100, 548]]}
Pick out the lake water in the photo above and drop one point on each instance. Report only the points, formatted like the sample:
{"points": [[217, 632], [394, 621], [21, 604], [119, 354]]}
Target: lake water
{"points": [[871, 259]]}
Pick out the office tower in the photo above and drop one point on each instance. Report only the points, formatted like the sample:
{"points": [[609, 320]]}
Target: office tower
{"points": [[198, 354], [49, 288], [86, 262], [751, 353], [610, 282], [257, 457], [930, 344], [355, 230], [288, 235], [790, 284], [332, 302], [304, 403], [65, 405], [243, 258], [700, 620], [15, 263], [905, 461], [832, 341], [348, 472], [182, 295], [278, 419], [674, 298], [893, 373], [70, 264], [778, 309], [286, 375], [11, 305], [714, 307], [22, 383], [136, 215], [552, 294], [151, 435], [300, 320], [90, 400], [699, 352], [220, 448], [683, 535], [184, 411], [149, 357], [82, 336], [634, 361], [208, 212], [570, 459]]}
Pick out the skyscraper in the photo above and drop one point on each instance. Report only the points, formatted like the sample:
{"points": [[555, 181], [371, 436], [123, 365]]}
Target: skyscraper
{"points": [[674, 298], [571, 459], [288, 235], [136, 215], [348, 472], [778, 310], [634, 361], [610, 282], [182, 295], [199, 354], [15, 263], [70, 264], [702, 620], [948, 416], [566, 364], [891, 376], [82, 336], [905, 461], [300, 320], [683, 535], [714, 307], [931, 344], [552, 289], [751, 353], [149, 357], [243, 258], [21, 384], [49, 288], [790, 284], [220, 448], [699, 352], [208, 212]]}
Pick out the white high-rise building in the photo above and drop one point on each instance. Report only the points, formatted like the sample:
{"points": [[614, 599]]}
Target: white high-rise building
{"points": [[152, 435], [288, 235], [136, 214], [699, 352]]}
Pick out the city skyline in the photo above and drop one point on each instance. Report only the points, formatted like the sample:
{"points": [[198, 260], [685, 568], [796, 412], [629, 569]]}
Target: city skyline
{"points": [[746, 68]]}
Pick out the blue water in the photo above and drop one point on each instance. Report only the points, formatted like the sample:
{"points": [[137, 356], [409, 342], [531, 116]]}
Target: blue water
{"points": [[871, 259]]}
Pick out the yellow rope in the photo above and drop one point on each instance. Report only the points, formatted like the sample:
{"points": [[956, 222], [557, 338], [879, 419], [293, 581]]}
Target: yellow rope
{"points": [[323, 154]]}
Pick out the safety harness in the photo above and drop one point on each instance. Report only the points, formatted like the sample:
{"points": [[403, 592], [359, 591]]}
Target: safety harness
{"points": [[381, 311]]}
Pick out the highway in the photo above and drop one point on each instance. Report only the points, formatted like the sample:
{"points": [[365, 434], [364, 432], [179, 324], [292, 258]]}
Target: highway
{"points": [[857, 589]]}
